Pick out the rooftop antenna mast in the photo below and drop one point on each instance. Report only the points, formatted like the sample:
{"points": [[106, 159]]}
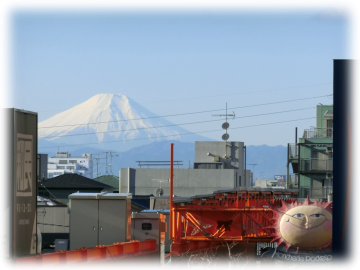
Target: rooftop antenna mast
{"points": [[160, 191], [106, 168], [225, 126], [111, 155], [97, 164]]}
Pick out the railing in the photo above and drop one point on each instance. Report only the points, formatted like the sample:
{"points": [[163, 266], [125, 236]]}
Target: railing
{"points": [[315, 193], [318, 133], [293, 180], [315, 164], [293, 151]]}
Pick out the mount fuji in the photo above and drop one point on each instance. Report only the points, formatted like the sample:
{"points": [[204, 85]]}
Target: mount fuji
{"points": [[109, 121]]}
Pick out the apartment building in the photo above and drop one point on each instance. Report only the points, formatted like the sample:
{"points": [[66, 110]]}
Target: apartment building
{"points": [[63, 163], [311, 157]]}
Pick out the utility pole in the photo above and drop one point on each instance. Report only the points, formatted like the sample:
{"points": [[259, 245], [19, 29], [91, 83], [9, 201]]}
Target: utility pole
{"points": [[97, 164], [106, 166], [111, 155]]}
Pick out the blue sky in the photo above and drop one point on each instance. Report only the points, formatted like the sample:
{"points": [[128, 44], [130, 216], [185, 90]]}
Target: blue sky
{"points": [[174, 62]]}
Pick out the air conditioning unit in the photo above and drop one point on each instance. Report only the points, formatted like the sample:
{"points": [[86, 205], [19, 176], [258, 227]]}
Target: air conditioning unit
{"points": [[329, 149], [329, 175]]}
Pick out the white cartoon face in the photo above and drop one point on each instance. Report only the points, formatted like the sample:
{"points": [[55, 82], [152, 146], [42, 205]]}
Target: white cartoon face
{"points": [[306, 226]]}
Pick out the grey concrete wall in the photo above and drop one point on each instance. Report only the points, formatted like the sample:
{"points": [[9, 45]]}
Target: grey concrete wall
{"points": [[187, 182], [234, 149], [260, 183], [53, 219], [248, 178]]}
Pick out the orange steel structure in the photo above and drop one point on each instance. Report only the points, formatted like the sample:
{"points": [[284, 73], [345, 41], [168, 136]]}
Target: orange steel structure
{"points": [[114, 252], [204, 222]]}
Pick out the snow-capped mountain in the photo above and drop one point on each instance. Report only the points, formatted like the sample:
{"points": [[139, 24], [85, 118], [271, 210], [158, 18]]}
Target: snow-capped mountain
{"points": [[109, 121]]}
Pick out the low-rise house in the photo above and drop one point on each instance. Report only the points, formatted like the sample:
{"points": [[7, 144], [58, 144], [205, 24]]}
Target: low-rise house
{"points": [[60, 187]]}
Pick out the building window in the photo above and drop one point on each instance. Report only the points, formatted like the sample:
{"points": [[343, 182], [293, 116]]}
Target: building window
{"points": [[60, 167], [70, 167], [73, 161], [329, 125], [240, 181], [63, 162]]}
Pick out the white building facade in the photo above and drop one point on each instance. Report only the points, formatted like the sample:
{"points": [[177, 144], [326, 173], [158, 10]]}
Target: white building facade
{"points": [[63, 163]]}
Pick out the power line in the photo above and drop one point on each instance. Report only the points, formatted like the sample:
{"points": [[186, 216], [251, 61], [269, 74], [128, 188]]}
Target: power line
{"points": [[190, 133], [263, 104], [191, 123], [201, 97], [232, 94]]}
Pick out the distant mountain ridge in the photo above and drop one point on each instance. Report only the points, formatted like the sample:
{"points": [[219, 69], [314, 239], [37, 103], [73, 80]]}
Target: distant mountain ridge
{"points": [[109, 121], [117, 123]]}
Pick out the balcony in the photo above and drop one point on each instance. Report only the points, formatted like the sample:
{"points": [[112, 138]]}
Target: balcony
{"points": [[314, 132], [315, 193], [316, 165], [293, 180], [293, 151]]}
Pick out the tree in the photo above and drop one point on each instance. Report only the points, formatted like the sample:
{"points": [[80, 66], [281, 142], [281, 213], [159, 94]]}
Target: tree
{"points": [[216, 257]]}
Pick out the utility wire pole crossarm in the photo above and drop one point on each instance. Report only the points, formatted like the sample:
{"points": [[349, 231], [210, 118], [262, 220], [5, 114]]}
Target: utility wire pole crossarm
{"points": [[97, 164], [111, 155]]}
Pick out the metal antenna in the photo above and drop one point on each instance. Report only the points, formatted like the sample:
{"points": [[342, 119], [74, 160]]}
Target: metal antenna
{"points": [[225, 126], [97, 164], [111, 155], [106, 152], [160, 191]]}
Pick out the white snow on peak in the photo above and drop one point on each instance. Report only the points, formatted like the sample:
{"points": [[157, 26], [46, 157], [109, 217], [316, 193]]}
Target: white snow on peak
{"points": [[104, 113]]}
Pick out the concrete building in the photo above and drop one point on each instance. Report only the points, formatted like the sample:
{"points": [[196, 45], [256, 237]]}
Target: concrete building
{"points": [[267, 184], [312, 157], [63, 163], [217, 166], [41, 167]]}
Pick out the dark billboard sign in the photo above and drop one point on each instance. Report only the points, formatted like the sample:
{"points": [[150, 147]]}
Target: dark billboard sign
{"points": [[19, 186], [346, 163]]}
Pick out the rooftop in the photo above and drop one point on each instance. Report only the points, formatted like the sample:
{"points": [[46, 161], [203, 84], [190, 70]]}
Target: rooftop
{"points": [[73, 181], [110, 180]]}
